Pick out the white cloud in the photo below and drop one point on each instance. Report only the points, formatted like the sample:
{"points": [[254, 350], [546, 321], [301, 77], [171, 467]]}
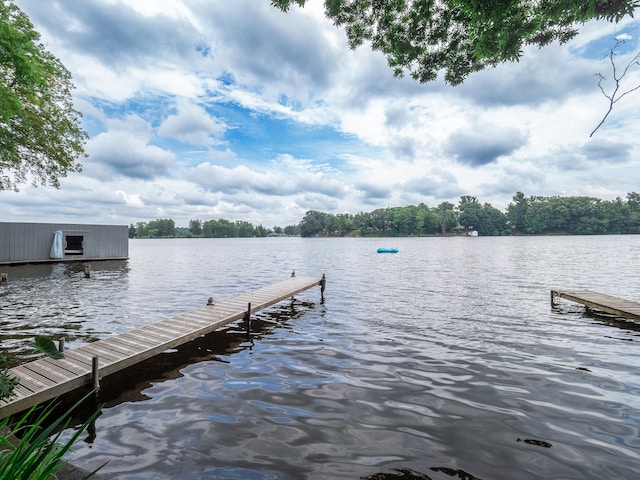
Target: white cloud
{"points": [[623, 37], [192, 124], [236, 110], [132, 200]]}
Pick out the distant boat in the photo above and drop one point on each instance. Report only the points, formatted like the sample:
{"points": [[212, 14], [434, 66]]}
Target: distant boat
{"points": [[387, 250], [472, 233]]}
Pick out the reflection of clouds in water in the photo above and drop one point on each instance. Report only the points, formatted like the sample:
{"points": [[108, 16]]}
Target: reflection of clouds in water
{"points": [[58, 301], [432, 361]]}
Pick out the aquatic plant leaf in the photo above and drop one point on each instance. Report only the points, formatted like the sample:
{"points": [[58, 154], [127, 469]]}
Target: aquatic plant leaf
{"points": [[7, 384], [46, 346]]}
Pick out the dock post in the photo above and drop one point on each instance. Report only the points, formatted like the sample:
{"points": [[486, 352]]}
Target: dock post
{"points": [[87, 270], [61, 345], [247, 317], [3, 278], [323, 283], [95, 373]]}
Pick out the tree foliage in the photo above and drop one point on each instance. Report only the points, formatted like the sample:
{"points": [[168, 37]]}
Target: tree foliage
{"points": [[574, 215], [533, 215], [40, 135], [166, 228], [161, 227], [424, 37]]}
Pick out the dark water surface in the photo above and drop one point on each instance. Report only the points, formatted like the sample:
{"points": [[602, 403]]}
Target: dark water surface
{"points": [[443, 361]]}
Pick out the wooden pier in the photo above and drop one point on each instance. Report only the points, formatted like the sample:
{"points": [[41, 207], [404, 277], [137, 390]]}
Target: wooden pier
{"points": [[46, 378], [599, 301]]}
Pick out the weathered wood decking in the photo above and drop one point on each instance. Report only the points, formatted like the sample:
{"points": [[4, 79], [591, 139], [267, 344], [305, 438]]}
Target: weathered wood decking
{"points": [[45, 379], [600, 301]]}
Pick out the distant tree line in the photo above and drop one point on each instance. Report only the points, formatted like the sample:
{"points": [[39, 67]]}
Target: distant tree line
{"points": [[410, 220], [533, 215], [166, 228], [574, 215]]}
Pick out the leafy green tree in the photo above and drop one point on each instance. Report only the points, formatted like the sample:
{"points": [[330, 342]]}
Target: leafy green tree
{"points": [[516, 211], [536, 217], [633, 200], [494, 221], [470, 212], [40, 135], [381, 220], [141, 230], [446, 216], [220, 229], [346, 223], [426, 220], [261, 231], [312, 223], [195, 227], [162, 227], [331, 225], [631, 217], [207, 228], [403, 220], [245, 229], [485, 219], [424, 37]]}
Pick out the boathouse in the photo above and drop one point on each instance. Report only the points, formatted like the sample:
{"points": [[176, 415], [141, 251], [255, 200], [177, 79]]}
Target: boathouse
{"points": [[61, 242]]}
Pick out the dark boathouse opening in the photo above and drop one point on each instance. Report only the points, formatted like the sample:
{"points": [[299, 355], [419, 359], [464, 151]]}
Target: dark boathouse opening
{"points": [[74, 245]]}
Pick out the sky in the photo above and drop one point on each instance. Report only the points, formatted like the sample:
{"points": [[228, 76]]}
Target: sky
{"points": [[204, 109]]}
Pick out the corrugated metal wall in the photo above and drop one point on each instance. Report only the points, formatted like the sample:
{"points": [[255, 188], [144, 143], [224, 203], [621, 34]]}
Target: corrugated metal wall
{"points": [[31, 242]]}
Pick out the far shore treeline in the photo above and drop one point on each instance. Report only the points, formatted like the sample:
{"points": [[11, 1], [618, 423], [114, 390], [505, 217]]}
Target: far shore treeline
{"points": [[534, 215]]}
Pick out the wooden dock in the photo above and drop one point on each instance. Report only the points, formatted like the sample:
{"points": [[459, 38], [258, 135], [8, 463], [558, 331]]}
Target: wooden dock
{"points": [[46, 378], [599, 301]]}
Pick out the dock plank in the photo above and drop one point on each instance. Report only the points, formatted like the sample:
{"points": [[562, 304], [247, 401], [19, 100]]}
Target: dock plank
{"points": [[73, 368], [600, 301], [46, 378]]}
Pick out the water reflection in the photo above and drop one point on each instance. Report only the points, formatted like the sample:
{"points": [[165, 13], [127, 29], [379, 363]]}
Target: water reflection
{"points": [[128, 385], [56, 300], [407, 474], [431, 362]]}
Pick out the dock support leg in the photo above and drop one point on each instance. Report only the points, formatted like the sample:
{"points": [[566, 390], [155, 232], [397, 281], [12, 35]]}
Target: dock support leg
{"points": [[3, 278], [95, 374], [323, 283], [247, 317], [554, 296], [87, 270]]}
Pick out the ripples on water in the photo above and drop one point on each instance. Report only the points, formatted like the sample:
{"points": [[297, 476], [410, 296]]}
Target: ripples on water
{"points": [[442, 361]]}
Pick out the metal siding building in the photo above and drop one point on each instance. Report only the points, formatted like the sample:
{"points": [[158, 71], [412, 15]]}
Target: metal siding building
{"points": [[32, 242]]}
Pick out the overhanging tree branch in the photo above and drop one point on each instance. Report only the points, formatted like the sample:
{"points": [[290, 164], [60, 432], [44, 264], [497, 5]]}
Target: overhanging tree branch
{"points": [[615, 95]]}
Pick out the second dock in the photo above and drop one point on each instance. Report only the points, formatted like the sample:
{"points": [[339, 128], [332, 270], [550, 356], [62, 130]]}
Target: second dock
{"points": [[600, 301]]}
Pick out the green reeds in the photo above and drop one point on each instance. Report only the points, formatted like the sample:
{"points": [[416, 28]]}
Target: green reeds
{"points": [[39, 451]]}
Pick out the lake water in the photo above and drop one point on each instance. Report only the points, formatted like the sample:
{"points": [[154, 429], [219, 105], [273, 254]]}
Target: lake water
{"points": [[442, 361]]}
